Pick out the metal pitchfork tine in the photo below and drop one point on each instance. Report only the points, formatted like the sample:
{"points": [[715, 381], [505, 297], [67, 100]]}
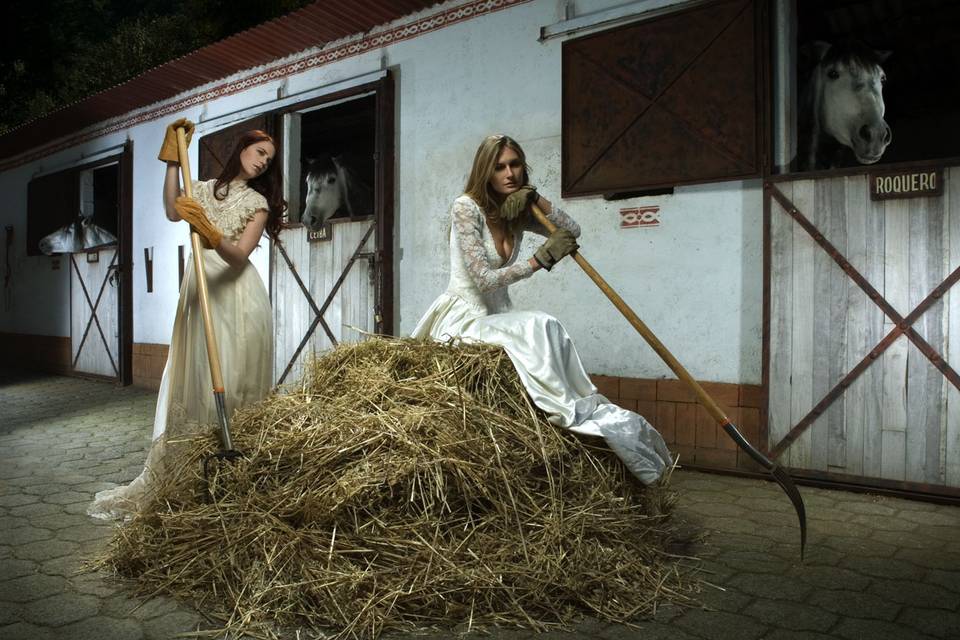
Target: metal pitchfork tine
{"points": [[778, 473], [226, 452]]}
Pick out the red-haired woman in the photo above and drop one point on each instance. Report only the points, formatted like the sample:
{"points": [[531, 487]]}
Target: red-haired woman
{"points": [[231, 214], [487, 226]]}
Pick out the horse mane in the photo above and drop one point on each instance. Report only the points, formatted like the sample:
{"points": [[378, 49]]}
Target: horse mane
{"points": [[853, 51], [356, 193]]}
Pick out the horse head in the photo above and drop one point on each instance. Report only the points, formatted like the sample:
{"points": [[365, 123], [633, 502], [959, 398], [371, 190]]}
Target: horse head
{"points": [[323, 191], [66, 239], [842, 102], [333, 186], [76, 236]]}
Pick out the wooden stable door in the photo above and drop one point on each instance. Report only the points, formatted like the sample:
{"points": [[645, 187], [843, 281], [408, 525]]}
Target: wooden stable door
{"points": [[864, 332], [324, 293], [94, 312], [334, 285]]}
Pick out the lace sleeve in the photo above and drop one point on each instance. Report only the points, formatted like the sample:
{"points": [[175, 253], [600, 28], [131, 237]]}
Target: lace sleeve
{"points": [[558, 217], [467, 219]]}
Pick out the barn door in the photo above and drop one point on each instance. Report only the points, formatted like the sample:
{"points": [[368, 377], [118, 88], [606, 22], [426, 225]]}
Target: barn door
{"points": [[95, 280], [864, 327], [333, 284], [100, 340], [671, 100]]}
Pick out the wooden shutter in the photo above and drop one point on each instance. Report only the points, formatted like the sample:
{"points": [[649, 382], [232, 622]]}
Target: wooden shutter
{"points": [[215, 148], [668, 101], [52, 201]]}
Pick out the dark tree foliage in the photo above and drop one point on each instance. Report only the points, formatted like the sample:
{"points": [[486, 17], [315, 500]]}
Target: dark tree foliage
{"points": [[57, 52]]}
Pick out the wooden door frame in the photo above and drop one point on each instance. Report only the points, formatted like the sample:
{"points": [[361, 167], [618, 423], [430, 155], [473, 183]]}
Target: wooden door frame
{"points": [[124, 162], [383, 93]]}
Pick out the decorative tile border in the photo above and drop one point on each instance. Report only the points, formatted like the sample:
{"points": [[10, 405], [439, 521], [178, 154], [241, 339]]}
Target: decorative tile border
{"points": [[358, 46]]}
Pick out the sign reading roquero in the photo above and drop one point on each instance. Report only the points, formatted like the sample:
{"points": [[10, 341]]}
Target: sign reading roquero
{"points": [[906, 183]]}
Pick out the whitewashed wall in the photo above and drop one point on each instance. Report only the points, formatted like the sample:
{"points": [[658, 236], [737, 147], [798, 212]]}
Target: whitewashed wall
{"points": [[696, 280]]}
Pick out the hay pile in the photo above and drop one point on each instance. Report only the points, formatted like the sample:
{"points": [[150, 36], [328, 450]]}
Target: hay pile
{"points": [[405, 484]]}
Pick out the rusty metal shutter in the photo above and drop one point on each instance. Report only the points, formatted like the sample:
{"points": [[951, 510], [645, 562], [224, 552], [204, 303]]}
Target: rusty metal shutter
{"points": [[668, 101], [215, 148], [52, 202]]}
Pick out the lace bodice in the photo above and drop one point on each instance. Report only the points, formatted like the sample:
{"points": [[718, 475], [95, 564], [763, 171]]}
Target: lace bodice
{"points": [[477, 272], [234, 211]]}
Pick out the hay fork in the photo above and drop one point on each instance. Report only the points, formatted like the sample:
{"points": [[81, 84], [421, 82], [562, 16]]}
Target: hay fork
{"points": [[226, 451], [778, 472]]}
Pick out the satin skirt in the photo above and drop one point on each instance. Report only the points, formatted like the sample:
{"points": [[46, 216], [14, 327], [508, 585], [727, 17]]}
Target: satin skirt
{"points": [[242, 321], [553, 375]]}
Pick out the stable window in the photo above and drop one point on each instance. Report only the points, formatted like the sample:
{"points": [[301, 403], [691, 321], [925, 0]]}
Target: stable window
{"points": [[53, 202], [73, 210], [864, 82], [671, 100], [331, 168]]}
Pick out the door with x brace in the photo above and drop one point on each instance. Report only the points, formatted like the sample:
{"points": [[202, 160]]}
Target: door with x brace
{"points": [[96, 282], [864, 332], [331, 282], [325, 293], [94, 298]]}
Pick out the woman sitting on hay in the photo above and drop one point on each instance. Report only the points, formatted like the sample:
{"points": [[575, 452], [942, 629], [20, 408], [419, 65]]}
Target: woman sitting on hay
{"points": [[487, 226]]}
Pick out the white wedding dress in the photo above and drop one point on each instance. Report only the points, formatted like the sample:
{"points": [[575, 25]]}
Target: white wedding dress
{"points": [[476, 306], [242, 320]]}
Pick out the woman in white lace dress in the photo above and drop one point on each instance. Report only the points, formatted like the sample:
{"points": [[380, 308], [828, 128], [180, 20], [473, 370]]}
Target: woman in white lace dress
{"points": [[230, 213], [487, 226]]}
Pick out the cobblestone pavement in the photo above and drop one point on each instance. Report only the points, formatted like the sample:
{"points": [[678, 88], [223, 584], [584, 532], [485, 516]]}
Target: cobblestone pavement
{"points": [[877, 568]]}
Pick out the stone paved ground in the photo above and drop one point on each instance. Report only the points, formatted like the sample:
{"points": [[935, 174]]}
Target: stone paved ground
{"points": [[877, 568]]}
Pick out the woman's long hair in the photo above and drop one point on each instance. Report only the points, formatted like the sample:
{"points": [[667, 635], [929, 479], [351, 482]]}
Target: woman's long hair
{"points": [[478, 184], [269, 184]]}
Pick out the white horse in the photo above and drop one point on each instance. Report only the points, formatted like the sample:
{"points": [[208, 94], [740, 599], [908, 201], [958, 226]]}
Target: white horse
{"points": [[79, 235], [333, 187], [840, 118]]}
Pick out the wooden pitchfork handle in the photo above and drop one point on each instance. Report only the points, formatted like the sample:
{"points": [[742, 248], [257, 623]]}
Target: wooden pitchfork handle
{"points": [[213, 353], [779, 474]]}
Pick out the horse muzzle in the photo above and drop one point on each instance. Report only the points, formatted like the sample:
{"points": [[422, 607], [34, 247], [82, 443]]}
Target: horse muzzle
{"points": [[871, 141]]}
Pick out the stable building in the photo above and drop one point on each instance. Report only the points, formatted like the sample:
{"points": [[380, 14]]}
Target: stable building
{"points": [[815, 303]]}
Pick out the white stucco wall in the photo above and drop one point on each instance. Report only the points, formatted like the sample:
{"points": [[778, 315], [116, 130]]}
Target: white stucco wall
{"points": [[696, 280]]}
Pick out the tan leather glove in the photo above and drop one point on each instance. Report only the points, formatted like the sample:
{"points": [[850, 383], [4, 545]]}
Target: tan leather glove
{"points": [[560, 243], [168, 150], [191, 211], [515, 204]]}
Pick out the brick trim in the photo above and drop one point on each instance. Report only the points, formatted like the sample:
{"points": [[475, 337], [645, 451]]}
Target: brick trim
{"points": [[689, 431], [41, 353], [148, 362]]}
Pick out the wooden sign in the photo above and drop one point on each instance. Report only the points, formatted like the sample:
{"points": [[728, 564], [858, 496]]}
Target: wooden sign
{"points": [[906, 183], [322, 234]]}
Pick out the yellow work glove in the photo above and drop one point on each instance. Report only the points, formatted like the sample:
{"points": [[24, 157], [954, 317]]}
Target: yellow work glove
{"points": [[168, 150], [191, 211], [560, 243]]}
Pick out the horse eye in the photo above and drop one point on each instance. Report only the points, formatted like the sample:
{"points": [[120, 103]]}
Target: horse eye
{"points": [[833, 74], [883, 79], [331, 180]]}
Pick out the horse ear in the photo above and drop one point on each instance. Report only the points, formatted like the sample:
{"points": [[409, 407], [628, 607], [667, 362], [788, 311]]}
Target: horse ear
{"points": [[811, 53], [883, 55]]}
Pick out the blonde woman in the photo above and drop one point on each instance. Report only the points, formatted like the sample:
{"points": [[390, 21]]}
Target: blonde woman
{"points": [[487, 225]]}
